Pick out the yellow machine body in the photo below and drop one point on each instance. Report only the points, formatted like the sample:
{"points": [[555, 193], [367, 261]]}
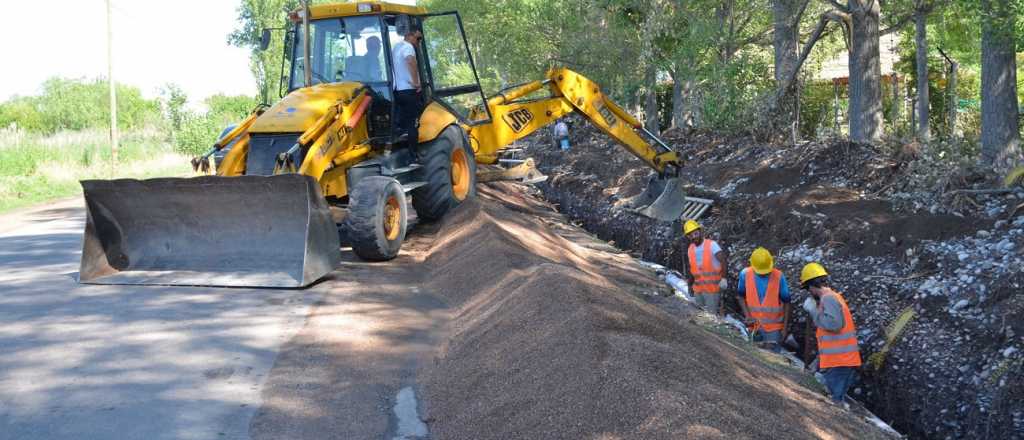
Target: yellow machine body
{"points": [[321, 145]]}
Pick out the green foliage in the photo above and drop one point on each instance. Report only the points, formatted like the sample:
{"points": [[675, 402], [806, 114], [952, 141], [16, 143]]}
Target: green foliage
{"points": [[817, 109], [78, 104], [199, 131], [173, 100], [37, 167], [253, 17]]}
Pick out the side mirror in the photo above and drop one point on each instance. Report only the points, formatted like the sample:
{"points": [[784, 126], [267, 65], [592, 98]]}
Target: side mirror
{"points": [[265, 39]]}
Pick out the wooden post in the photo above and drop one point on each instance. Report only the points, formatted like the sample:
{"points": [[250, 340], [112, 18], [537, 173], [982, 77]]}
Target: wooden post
{"points": [[796, 116], [954, 101], [113, 86], [895, 102], [835, 105], [951, 91]]}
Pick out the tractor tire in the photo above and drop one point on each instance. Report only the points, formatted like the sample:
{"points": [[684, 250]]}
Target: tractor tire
{"points": [[377, 218], [449, 168]]}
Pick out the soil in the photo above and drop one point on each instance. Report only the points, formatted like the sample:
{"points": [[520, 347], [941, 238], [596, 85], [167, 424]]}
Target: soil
{"points": [[552, 338], [885, 224], [510, 322]]}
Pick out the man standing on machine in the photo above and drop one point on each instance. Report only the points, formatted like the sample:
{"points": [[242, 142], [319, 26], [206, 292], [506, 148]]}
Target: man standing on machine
{"points": [[408, 89]]}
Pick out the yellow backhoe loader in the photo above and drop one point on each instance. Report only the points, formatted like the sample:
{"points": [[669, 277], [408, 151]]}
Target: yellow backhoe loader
{"points": [[327, 152]]}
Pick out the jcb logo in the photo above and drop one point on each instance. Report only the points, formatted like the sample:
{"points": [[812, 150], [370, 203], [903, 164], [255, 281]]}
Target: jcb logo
{"points": [[607, 114], [517, 119]]}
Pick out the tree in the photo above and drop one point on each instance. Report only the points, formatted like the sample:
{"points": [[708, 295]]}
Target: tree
{"points": [[865, 87], [785, 39], [1000, 129], [253, 17], [923, 130]]}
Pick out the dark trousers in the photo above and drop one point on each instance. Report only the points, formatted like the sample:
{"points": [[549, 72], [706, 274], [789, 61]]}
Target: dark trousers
{"points": [[408, 107]]}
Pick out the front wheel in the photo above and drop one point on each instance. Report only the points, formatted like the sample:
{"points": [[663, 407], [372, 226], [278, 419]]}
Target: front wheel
{"points": [[377, 218], [450, 171]]}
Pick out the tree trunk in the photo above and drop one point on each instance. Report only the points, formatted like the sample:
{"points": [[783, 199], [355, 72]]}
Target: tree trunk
{"points": [[865, 73], [1000, 135], [677, 103], [769, 124], [682, 112], [787, 54], [923, 129], [651, 98]]}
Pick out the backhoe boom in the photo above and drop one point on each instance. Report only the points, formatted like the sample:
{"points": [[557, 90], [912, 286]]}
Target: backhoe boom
{"points": [[515, 118]]}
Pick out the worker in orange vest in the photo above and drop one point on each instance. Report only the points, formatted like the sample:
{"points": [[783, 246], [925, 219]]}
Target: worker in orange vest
{"points": [[838, 351], [706, 268], [763, 294]]}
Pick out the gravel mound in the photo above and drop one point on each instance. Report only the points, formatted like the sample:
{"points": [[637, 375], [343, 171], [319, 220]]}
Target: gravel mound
{"points": [[551, 338]]}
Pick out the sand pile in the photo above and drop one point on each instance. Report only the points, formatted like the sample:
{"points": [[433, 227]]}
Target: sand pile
{"points": [[551, 339]]}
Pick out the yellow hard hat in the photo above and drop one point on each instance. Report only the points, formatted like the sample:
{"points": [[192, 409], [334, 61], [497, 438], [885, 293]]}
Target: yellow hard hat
{"points": [[812, 271], [762, 262], [690, 226]]}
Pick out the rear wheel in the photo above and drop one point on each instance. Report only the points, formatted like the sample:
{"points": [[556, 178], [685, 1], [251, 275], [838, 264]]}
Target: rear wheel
{"points": [[449, 169], [377, 218]]}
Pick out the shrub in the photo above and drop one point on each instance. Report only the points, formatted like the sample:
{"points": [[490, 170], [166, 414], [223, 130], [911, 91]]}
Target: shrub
{"points": [[78, 104]]}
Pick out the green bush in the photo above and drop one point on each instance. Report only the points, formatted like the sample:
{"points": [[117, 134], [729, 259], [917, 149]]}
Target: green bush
{"points": [[78, 104], [817, 110], [198, 132]]}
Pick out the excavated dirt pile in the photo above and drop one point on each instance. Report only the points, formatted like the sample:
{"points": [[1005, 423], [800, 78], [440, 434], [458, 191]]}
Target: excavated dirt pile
{"points": [[552, 337], [899, 231]]}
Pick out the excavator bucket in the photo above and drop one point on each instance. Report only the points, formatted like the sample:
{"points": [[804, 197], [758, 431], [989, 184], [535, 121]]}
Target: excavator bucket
{"points": [[666, 200], [523, 171], [247, 231]]}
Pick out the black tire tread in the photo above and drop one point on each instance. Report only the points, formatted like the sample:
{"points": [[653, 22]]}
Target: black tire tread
{"points": [[433, 200], [362, 220]]}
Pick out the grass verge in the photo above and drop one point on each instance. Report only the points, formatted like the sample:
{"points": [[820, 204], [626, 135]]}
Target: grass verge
{"points": [[37, 168]]}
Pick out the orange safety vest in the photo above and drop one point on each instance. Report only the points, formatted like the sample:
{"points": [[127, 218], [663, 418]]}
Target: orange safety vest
{"points": [[769, 314], [705, 276], [838, 349]]}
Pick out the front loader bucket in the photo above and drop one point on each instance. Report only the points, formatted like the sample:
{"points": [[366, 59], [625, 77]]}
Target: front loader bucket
{"points": [[252, 231], [666, 200]]}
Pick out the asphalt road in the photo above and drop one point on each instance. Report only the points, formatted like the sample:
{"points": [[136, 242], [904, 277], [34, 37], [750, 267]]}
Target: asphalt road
{"points": [[152, 362]]}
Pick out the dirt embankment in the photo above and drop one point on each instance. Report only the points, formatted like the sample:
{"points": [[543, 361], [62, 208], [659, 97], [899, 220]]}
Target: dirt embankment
{"points": [[551, 338], [891, 228]]}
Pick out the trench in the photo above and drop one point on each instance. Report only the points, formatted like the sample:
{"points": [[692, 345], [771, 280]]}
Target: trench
{"points": [[915, 393], [622, 233]]}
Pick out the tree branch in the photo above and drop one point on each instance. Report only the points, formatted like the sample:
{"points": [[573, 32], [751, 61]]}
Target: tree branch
{"points": [[838, 6], [800, 15], [900, 23]]}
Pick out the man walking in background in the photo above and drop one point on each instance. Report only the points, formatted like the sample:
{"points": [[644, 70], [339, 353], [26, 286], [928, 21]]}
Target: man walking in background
{"points": [[838, 351], [706, 270], [763, 295], [562, 134]]}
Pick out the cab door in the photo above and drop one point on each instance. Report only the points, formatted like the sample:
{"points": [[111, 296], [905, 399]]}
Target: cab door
{"points": [[451, 74]]}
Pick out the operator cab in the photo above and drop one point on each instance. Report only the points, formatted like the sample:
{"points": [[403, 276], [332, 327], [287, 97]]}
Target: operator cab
{"points": [[355, 46]]}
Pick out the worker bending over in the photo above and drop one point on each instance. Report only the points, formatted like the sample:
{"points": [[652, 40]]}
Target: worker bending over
{"points": [[706, 268], [838, 352], [763, 295]]}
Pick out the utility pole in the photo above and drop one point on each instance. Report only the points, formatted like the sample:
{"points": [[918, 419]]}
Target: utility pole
{"points": [[113, 87]]}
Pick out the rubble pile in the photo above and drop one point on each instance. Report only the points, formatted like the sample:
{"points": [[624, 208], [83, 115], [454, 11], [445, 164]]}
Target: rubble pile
{"points": [[898, 230]]}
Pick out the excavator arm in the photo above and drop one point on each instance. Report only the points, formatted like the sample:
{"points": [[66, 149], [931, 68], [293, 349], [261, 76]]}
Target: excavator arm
{"points": [[514, 118]]}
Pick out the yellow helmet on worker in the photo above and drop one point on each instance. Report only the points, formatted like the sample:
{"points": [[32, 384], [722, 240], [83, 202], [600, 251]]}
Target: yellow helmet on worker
{"points": [[762, 262], [690, 226], [810, 272]]}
